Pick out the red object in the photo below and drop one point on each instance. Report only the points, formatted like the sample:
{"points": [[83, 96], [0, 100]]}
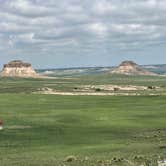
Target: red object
{"points": [[1, 122]]}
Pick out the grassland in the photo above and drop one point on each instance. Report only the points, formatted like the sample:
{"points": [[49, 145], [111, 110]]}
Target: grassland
{"points": [[44, 129], [63, 84]]}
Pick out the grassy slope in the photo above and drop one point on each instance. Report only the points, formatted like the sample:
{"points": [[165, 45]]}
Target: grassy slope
{"points": [[95, 126]]}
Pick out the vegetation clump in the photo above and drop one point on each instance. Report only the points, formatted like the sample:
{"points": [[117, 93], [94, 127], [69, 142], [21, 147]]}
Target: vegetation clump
{"points": [[70, 158], [116, 89], [151, 87], [97, 89], [162, 146]]}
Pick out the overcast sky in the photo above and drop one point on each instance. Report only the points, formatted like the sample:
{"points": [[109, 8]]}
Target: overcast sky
{"points": [[70, 33]]}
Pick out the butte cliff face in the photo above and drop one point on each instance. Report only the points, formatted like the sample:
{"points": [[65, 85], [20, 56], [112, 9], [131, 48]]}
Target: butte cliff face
{"points": [[131, 68], [18, 68]]}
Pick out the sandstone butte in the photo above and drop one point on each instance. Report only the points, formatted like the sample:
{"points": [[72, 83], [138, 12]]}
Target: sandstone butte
{"points": [[131, 68], [18, 68]]}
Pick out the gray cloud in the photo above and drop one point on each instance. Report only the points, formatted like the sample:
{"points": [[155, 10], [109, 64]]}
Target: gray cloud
{"points": [[84, 25]]}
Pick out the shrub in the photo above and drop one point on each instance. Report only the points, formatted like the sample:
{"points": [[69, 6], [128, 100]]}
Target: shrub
{"points": [[70, 158], [116, 89], [97, 89]]}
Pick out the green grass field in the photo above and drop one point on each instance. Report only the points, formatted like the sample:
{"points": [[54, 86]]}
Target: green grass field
{"points": [[42, 130], [98, 127]]}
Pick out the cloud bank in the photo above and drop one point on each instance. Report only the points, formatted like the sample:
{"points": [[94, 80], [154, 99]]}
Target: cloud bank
{"points": [[39, 28]]}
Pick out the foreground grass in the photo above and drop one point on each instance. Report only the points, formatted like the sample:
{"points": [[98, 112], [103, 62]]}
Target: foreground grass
{"points": [[44, 129]]}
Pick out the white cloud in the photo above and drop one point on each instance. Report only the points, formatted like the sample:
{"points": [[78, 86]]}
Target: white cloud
{"points": [[26, 8], [103, 6], [35, 24], [152, 3], [134, 28], [98, 28]]}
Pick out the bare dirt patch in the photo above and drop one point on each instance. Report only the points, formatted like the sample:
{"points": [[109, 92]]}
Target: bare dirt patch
{"points": [[47, 90], [98, 90], [111, 87]]}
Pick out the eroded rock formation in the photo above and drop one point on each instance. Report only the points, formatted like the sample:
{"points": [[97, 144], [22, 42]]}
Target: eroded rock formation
{"points": [[131, 68], [18, 68]]}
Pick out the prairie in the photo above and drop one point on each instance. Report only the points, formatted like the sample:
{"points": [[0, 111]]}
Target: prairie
{"points": [[98, 130]]}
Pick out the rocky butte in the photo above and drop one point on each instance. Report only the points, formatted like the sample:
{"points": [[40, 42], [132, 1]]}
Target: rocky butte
{"points": [[131, 68], [18, 68]]}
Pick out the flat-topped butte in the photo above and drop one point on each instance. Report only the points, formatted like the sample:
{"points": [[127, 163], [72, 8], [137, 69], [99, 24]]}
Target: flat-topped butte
{"points": [[18, 68]]}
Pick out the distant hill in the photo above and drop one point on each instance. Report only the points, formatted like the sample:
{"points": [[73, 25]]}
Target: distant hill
{"points": [[80, 71], [158, 68], [131, 68]]}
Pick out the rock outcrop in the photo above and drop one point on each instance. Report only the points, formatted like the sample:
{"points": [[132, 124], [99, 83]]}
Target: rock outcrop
{"points": [[18, 68], [131, 68]]}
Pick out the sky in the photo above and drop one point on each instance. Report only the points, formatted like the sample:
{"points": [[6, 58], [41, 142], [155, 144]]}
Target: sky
{"points": [[81, 33]]}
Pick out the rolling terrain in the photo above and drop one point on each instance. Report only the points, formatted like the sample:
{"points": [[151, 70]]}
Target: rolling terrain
{"points": [[46, 129], [159, 69]]}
